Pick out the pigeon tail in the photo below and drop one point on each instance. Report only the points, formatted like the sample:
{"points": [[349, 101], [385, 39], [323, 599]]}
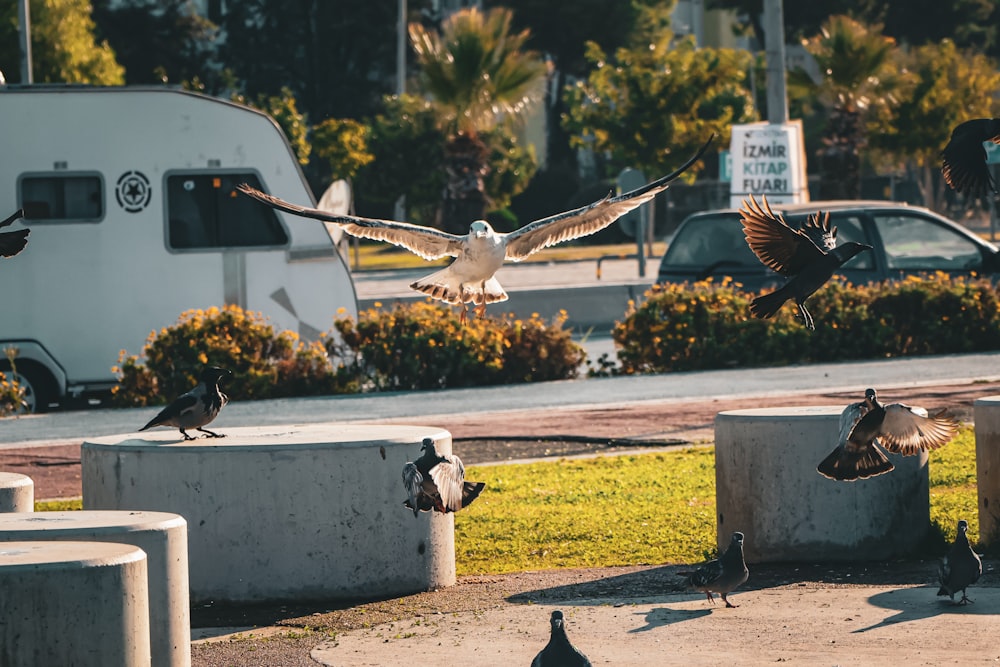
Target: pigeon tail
{"points": [[445, 286], [846, 466], [766, 305]]}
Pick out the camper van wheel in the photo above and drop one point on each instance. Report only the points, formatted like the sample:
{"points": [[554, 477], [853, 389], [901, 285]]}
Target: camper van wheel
{"points": [[39, 387]]}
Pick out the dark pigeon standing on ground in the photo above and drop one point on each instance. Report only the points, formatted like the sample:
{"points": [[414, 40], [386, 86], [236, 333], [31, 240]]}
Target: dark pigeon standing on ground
{"points": [[899, 428], [961, 567], [794, 254], [436, 482], [559, 652], [723, 575], [12, 243], [963, 160], [848, 462], [197, 408]]}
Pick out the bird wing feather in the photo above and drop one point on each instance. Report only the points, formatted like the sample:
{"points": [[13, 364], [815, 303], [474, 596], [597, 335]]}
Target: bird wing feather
{"points": [[181, 405], [778, 246], [588, 219], [906, 432], [449, 476], [818, 228], [19, 213], [425, 242], [413, 481], [963, 160], [850, 417]]}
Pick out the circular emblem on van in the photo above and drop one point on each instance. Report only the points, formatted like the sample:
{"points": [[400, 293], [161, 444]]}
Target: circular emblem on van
{"points": [[132, 191]]}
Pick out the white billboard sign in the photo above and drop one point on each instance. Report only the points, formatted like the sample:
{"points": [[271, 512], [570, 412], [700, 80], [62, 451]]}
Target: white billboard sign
{"points": [[768, 159]]}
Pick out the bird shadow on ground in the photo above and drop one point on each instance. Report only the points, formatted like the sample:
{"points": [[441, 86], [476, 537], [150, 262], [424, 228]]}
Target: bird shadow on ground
{"points": [[661, 616], [917, 603]]}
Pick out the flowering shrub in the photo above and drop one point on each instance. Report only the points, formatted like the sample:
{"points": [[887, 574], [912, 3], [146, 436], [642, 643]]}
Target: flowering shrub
{"points": [[265, 363], [708, 325], [424, 345], [11, 391]]}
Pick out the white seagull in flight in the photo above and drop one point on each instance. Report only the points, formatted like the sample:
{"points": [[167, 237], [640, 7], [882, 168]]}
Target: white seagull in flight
{"points": [[480, 253]]}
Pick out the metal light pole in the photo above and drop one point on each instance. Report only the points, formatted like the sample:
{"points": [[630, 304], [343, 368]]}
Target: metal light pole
{"points": [[399, 211], [774, 49], [24, 18]]}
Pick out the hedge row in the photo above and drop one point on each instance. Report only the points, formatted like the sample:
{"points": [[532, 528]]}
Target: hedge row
{"points": [[708, 325]]}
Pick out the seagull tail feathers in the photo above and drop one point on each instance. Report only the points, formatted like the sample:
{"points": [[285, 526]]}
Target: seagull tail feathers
{"points": [[846, 466], [445, 286]]}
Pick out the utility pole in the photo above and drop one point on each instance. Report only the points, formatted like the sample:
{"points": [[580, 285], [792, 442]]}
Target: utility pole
{"points": [[399, 211], [774, 49], [24, 17]]}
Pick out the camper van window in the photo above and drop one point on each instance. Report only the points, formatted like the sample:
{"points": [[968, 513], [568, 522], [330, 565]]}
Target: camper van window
{"points": [[204, 210], [64, 198]]}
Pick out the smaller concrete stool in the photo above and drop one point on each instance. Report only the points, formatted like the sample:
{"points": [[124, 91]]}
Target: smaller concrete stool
{"points": [[986, 412], [73, 603], [17, 493], [161, 535], [284, 512], [767, 487]]}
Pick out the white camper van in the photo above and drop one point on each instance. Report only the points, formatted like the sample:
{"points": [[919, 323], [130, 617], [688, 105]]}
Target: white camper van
{"points": [[136, 220]]}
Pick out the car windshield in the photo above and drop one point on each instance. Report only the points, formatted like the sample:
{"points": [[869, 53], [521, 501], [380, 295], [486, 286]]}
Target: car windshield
{"points": [[710, 240]]}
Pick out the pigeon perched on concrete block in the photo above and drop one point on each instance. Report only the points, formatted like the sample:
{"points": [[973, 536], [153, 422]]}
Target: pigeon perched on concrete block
{"points": [[795, 254], [480, 253], [961, 567], [196, 408], [436, 482], [559, 652], [12, 243], [963, 160], [723, 575], [901, 429]]}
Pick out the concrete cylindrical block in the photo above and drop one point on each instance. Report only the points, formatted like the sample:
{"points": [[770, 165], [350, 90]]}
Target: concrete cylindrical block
{"points": [[986, 412], [164, 539], [304, 512], [17, 493], [767, 487], [73, 603]]}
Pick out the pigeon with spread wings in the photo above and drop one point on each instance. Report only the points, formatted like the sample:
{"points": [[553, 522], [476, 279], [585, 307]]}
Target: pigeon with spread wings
{"points": [[963, 160], [480, 253], [437, 482], [794, 254]]}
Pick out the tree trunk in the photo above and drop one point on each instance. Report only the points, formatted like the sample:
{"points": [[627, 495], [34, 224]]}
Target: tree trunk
{"points": [[464, 194], [840, 158]]}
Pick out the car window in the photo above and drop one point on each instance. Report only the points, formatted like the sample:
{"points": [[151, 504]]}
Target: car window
{"points": [[712, 240], [204, 211], [849, 228], [916, 243], [63, 197]]}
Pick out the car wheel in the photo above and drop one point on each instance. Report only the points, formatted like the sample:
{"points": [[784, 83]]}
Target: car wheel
{"points": [[39, 386]]}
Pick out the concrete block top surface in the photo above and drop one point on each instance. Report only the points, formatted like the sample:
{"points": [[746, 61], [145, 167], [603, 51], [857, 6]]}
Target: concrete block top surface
{"points": [[10, 480], [987, 401], [299, 436], [34, 556], [92, 522], [789, 413]]}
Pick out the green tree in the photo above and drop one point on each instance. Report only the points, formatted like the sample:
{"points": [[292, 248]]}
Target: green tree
{"points": [[949, 86], [656, 103], [860, 81], [157, 40], [479, 76], [63, 46], [285, 111], [342, 145]]}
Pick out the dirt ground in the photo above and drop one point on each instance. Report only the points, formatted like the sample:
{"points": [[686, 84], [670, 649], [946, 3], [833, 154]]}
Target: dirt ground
{"points": [[618, 615]]}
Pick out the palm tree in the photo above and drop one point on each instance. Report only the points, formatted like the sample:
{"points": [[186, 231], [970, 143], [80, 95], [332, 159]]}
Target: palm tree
{"points": [[478, 74], [859, 77]]}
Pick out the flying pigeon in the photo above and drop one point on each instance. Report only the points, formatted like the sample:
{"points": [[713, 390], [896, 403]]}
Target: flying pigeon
{"points": [[961, 567], [436, 482], [196, 408], [559, 652], [722, 575], [794, 254], [899, 428], [12, 243], [480, 253], [963, 160]]}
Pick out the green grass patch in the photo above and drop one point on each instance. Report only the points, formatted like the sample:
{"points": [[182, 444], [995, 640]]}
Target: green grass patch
{"points": [[59, 505], [644, 509], [615, 510]]}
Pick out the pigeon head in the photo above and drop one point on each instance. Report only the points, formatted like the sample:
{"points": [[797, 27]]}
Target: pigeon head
{"points": [[870, 395], [428, 445], [480, 229], [737, 537], [963, 526], [557, 619], [213, 374], [848, 250]]}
